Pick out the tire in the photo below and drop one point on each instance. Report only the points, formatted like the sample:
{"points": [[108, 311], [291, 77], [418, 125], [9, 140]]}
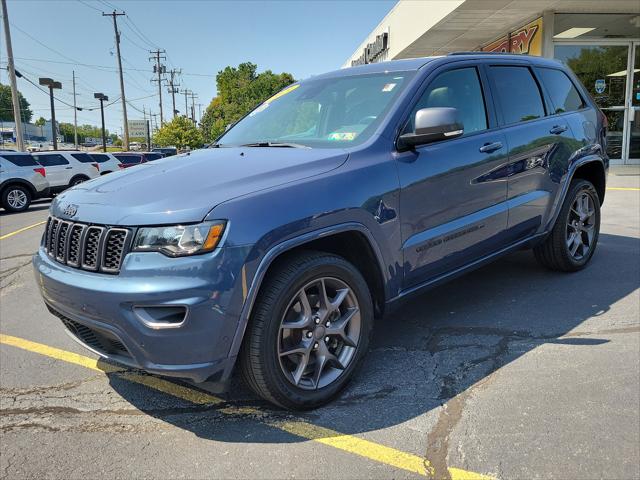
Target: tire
{"points": [[270, 372], [16, 198], [555, 252], [77, 180]]}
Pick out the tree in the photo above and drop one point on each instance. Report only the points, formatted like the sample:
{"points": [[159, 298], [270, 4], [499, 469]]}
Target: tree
{"points": [[240, 90], [40, 122], [179, 132], [6, 105]]}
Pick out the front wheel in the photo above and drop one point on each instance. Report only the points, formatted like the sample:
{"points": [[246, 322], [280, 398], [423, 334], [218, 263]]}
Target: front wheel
{"points": [[308, 332], [574, 237]]}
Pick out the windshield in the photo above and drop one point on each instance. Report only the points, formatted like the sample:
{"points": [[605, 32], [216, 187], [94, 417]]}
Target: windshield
{"points": [[323, 113]]}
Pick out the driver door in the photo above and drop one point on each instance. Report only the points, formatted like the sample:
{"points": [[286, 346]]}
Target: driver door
{"points": [[453, 197]]}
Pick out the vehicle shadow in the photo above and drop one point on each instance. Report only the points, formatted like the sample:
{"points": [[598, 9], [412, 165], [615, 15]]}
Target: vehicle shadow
{"points": [[440, 345], [34, 207]]}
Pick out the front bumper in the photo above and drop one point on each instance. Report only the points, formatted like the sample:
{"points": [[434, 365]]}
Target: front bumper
{"points": [[98, 310]]}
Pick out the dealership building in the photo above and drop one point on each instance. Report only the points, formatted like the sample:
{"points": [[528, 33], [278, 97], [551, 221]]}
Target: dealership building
{"points": [[598, 39]]}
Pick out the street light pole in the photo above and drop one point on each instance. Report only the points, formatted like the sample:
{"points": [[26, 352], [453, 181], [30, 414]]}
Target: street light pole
{"points": [[52, 84], [102, 97]]}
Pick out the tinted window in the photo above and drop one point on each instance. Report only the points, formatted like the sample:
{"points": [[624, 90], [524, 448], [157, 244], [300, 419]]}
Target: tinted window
{"points": [[458, 89], [20, 160], [99, 158], [517, 93], [129, 159], [563, 93], [50, 160], [152, 156], [82, 157]]}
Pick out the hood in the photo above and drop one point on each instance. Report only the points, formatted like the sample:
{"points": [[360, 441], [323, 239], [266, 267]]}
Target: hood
{"points": [[185, 188]]}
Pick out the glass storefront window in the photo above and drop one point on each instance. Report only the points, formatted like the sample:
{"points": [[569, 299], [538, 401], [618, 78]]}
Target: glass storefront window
{"points": [[603, 71]]}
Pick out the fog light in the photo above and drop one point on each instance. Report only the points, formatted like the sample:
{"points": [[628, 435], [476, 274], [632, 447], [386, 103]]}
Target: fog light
{"points": [[169, 316]]}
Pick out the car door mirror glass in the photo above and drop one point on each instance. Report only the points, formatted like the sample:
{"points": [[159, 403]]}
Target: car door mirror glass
{"points": [[431, 125]]}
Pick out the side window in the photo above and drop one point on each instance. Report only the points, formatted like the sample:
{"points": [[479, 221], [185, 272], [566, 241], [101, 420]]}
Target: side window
{"points": [[51, 160], [564, 95], [20, 159], [517, 93], [459, 89], [82, 157]]}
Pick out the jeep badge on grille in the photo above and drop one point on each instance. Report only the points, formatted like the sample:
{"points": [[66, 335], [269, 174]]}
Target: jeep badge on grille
{"points": [[70, 210]]}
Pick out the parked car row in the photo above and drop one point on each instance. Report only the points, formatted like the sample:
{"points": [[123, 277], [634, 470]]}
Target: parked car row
{"points": [[27, 176]]}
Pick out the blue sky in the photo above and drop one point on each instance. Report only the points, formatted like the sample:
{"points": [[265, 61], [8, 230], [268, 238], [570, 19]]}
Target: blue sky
{"points": [[201, 37]]}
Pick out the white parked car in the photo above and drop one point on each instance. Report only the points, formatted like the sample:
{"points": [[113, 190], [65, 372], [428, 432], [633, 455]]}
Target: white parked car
{"points": [[67, 168], [21, 180], [106, 162]]}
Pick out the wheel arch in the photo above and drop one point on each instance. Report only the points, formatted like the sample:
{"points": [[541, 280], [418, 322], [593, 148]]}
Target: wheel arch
{"points": [[18, 181], [364, 253], [77, 176], [594, 172]]}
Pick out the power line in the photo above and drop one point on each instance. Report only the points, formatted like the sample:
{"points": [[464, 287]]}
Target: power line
{"points": [[43, 44], [90, 6]]}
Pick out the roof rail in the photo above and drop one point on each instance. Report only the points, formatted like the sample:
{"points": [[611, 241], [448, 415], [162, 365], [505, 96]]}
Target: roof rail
{"points": [[482, 53]]}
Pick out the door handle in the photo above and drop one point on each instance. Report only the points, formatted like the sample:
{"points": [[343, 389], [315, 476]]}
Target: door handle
{"points": [[558, 129], [68, 168], [491, 147]]}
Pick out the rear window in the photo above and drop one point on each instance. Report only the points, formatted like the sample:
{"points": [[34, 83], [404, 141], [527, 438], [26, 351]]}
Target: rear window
{"points": [[563, 93], [20, 160], [129, 159], [50, 160], [83, 157], [99, 158], [153, 156], [518, 94]]}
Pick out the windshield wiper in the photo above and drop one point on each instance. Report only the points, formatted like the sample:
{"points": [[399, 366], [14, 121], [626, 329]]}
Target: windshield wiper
{"points": [[275, 144]]}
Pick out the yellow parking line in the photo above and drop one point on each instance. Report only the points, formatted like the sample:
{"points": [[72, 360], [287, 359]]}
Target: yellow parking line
{"points": [[347, 443], [20, 230], [628, 189]]}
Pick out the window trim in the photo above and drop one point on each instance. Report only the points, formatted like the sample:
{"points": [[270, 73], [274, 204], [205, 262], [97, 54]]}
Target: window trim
{"points": [[499, 113], [487, 98], [553, 113]]}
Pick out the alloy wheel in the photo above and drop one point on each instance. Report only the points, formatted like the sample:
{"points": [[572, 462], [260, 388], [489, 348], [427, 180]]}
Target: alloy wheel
{"points": [[319, 333], [581, 226], [17, 199]]}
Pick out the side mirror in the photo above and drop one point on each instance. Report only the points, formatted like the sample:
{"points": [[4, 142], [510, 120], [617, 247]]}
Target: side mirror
{"points": [[432, 124]]}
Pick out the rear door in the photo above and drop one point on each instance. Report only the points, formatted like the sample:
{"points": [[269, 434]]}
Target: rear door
{"points": [[58, 168], [453, 192], [540, 145]]}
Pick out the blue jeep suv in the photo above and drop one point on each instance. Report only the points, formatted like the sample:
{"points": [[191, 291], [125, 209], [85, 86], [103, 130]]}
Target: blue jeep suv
{"points": [[323, 208]]}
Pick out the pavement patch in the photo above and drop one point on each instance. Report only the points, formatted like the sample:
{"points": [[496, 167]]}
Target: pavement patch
{"points": [[347, 443]]}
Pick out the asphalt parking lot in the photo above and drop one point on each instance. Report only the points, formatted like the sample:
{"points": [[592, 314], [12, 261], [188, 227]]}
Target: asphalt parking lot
{"points": [[510, 372]]}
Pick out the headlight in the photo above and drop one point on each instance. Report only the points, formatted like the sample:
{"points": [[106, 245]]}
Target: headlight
{"points": [[179, 240]]}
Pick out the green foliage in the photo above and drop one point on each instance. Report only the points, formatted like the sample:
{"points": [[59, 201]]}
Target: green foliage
{"points": [[179, 132], [40, 122], [240, 90], [84, 132], [6, 105]]}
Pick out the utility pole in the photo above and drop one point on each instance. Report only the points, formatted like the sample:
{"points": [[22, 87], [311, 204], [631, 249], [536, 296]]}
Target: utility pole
{"points": [[125, 136], [75, 113], [102, 97], [17, 117], [186, 104], [53, 85], [159, 69], [193, 107], [199, 113], [173, 87]]}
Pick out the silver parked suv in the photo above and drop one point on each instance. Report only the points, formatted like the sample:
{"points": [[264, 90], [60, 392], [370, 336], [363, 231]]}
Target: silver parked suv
{"points": [[66, 169], [22, 179]]}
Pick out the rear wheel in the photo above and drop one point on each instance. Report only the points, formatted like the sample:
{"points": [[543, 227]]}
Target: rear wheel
{"points": [[16, 198], [308, 332], [77, 180], [574, 237]]}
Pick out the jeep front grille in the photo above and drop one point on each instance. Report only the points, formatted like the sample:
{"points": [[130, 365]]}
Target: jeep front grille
{"points": [[89, 247]]}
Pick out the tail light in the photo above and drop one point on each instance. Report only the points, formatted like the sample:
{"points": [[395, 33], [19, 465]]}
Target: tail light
{"points": [[96, 165], [121, 166], [41, 171]]}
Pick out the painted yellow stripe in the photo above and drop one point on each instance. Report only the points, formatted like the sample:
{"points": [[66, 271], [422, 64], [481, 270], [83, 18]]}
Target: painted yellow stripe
{"points": [[347, 443], [628, 189], [20, 230]]}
